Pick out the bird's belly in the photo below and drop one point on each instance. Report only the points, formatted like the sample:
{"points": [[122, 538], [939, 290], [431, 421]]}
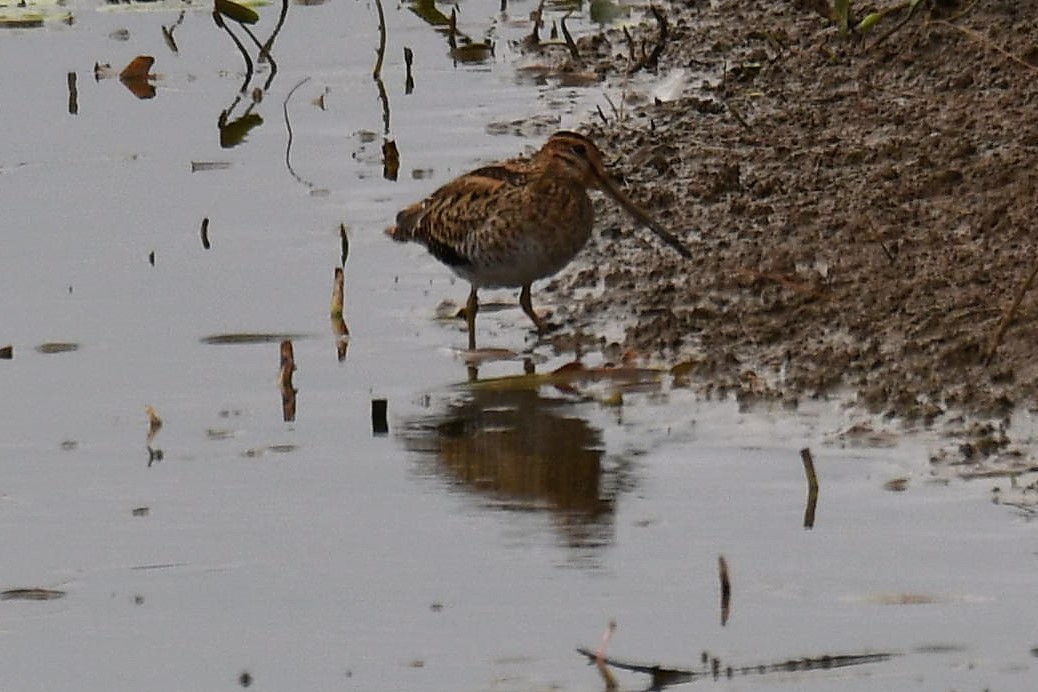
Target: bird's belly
{"points": [[522, 262]]}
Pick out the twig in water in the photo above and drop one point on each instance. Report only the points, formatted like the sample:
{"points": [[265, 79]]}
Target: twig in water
{"points": [[167, 33], [569, 39], [652, 60], [344, 242], [383, 98], [1008, 316], [630, 47], [377, 72], [339, 328], [288, 392], [616, 113], [452, 30], [601, 658], [338, 292], [812, 487], [288, 126], [269, 43], [534, 39], [726, 589], [73, 94], [408, 77]]}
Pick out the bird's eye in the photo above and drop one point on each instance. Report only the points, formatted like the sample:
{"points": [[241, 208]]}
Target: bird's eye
{"points": [[580, 150]]}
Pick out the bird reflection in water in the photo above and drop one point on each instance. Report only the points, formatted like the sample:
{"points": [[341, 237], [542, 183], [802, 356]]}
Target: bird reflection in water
{"points": [[524, 452]]}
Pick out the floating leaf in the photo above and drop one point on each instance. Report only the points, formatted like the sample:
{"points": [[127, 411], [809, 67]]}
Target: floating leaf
{"points": [[896, 485], [197, 166], [239, 13], [154, 422], [138, 68], [31, 594], [31, 14], [248, 338], [27, 20], [135, 77], [57, 347], [337, 293]]}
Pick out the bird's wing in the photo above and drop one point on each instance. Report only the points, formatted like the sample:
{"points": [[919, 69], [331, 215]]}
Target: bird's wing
{"points": [[448, 219]]}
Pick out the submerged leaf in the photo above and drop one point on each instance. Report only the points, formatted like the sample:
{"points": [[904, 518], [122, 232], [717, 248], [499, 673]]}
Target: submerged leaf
{"points": [[57, 347], [31, 594]]}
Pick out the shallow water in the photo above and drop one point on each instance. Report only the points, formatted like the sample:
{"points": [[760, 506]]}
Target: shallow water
{"points": [[494, 528]]}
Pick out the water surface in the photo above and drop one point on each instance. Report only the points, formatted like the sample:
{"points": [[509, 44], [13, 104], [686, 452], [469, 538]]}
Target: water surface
{"points": [[493, 529]]}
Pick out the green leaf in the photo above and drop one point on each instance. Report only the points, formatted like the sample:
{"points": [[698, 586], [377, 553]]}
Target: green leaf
{"points": [[239, 13]]}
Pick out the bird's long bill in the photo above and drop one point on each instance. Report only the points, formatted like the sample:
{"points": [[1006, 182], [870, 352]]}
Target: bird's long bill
{"points": [[608, 186]]}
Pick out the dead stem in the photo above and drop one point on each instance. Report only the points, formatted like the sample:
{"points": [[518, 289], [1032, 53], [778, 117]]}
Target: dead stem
{"points": [[574, 53], [985, 41], [652, 60], [726, 589], [812, 487], [288, 126], [377, 72], [1008, 316]]}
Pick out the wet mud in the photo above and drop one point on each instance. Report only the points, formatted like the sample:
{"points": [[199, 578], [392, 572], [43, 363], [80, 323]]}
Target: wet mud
{"points": [[860, 208]]}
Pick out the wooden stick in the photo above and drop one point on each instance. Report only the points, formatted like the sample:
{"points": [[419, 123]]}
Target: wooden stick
{"points": [[726, 589], [377, 72], [812, 487]]}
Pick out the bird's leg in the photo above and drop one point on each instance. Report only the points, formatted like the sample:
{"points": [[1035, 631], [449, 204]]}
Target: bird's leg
{"points": [[524, 302], [471, 308]]}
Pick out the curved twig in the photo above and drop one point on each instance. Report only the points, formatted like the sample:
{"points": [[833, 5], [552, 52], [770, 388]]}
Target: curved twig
{"points": [[288, 126], [377, 73]]}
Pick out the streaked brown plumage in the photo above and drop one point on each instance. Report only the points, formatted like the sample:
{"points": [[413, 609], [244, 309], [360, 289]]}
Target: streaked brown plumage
{"points": [[511, 223]]}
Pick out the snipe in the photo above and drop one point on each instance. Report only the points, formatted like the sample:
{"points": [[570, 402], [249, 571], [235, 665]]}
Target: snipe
{"points": [[511, 223]]}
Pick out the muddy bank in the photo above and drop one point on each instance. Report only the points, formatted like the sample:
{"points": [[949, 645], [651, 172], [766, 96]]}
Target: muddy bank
{"points": [[861, 209]]}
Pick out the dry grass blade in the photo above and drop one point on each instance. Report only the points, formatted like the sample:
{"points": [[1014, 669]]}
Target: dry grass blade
{"points": [[985, 41], [1008, 316]]}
